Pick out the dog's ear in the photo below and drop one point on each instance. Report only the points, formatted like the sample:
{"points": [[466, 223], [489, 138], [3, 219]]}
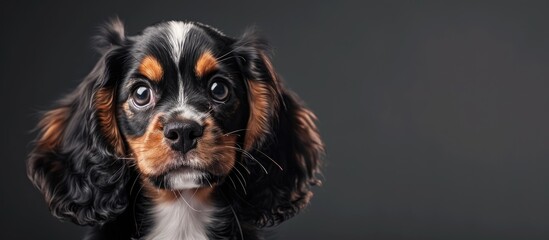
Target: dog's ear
{"points": [[282, 140], [75, 161], [110, 35]]}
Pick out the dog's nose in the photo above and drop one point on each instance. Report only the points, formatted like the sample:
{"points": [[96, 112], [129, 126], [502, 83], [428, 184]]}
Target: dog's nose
{"points": [[182, 135]]}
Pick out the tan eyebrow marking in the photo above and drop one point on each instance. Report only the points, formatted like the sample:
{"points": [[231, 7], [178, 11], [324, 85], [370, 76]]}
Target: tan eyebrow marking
{"points": [[150, 68], [205, 64]]}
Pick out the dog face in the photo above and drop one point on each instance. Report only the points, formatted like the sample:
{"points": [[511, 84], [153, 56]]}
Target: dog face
{"points": [[181, 106]]}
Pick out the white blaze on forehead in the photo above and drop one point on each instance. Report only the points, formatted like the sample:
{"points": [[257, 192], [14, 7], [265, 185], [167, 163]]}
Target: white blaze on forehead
{"points": [[177, 33]]}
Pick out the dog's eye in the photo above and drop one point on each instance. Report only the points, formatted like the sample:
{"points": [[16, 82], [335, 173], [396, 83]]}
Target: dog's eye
{"points": [[219, 91], [142, 96]]}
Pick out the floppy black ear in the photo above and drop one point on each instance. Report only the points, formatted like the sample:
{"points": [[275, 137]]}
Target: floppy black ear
{"points": [[74, 161], [282, 139]]}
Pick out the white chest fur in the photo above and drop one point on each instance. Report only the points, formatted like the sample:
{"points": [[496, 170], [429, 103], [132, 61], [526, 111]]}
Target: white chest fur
{"points": [[180, 220]]}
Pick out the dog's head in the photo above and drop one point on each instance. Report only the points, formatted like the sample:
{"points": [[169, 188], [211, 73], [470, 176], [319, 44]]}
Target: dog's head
{"points": [[185, 107]]}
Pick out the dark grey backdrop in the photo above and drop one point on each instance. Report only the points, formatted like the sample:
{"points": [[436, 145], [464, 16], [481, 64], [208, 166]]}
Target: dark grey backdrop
{"points": [[435, 115]]}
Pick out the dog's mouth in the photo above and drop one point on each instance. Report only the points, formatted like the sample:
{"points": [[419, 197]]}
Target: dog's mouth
{"points": [[185, 177]]}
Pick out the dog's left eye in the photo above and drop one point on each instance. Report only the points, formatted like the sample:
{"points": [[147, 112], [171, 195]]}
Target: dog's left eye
{"points": [[219, 91], [142, 96]]}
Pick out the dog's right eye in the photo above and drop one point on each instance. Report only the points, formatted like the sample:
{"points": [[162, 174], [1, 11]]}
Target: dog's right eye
{"points": [[142, 96]]}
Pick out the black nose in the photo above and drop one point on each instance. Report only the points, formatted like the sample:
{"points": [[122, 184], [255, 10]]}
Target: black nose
{"points": [[182, 135]]}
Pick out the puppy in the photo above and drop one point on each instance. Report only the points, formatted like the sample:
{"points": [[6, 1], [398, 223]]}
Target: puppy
{"points": [[179, 132]]}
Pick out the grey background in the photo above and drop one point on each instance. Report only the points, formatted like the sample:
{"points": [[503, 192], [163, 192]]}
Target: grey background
{"points": [[435, 115]]}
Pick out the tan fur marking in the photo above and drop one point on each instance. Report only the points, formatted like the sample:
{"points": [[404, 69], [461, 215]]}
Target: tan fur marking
{"points": [[217, 151], [150, 68], [306, 129], [151, 153], [52, 127], [166, 196], [127, 110], [205, 64], [306, 120], [105, 105], [260, 97]]}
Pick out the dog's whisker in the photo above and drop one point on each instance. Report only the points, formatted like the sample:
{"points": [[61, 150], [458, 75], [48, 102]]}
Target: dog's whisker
{"points": [[156, 180], [244, 166], [237, 222], [185, 200], [230, 57], [220, 58], [195, 191], [211, 186], [234, 213], [235, 131], [249, 155], [241, 184], [136, 178], [238, 171], [134, 204], [116, 174], [230, 178], [267, 156]]}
